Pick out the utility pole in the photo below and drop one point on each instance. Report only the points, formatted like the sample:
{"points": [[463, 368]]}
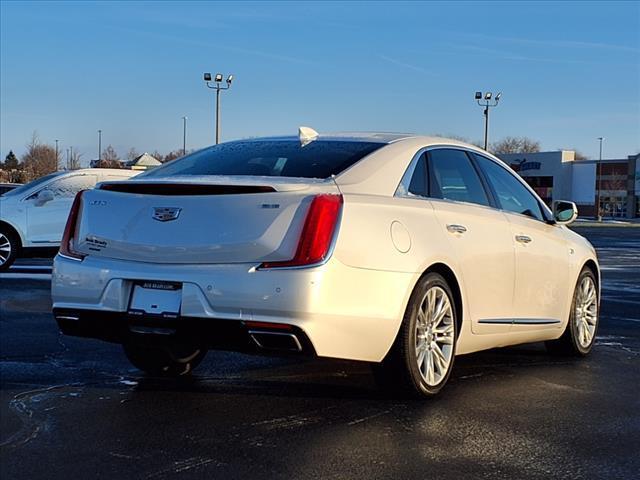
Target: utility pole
{"points": [[217, 86], [99, 146], [57, 160], [598, 209], [485, 101], [184, 135]]}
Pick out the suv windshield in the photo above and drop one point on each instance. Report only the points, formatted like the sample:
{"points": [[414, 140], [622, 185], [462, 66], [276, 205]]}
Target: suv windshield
{"points": [[28, 186], [273, 158]]}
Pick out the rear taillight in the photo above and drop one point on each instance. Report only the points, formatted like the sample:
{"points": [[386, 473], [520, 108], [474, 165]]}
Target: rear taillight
{"points": [[68, 237], [317, 233]]}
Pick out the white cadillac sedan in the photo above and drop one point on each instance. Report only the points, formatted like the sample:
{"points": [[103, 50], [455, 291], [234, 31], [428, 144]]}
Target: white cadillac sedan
{"points": [[33, 216], [399, 250]]}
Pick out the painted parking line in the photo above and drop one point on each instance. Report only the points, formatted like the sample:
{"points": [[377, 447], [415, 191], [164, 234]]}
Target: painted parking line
{"points": [[28, 276], [32, 272], [30, 267]]}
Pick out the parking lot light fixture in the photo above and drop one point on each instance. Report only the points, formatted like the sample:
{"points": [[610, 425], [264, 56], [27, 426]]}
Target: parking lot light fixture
{"points": [[217, 86], [487, 104]]}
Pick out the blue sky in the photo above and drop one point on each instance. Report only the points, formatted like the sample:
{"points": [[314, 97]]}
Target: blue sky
{"points": [[569, 72]]}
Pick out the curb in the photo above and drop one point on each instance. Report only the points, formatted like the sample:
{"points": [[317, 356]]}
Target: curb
{"points": [[604, 225]]}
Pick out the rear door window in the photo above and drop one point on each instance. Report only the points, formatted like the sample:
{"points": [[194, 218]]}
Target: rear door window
{"points": [[452, 176]]}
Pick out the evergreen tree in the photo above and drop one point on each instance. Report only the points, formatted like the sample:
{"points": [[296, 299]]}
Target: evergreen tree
{"points": [[10, 162]]}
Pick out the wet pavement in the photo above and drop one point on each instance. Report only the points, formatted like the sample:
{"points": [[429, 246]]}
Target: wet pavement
{"points": [[75, 407]]}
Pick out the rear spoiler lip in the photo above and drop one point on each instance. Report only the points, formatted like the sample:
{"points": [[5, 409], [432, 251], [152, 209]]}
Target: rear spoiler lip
{"points": [[183, 189]]}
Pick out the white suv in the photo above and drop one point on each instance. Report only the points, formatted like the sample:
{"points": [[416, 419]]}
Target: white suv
{"points": [[32, 217]]}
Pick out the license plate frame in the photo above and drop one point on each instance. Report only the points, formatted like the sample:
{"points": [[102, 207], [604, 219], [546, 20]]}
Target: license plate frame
{"points": [[155, 299]]}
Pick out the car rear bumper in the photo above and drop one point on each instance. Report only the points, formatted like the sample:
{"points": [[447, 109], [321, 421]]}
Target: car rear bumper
{"points": [[216, 334], [338, 311]]}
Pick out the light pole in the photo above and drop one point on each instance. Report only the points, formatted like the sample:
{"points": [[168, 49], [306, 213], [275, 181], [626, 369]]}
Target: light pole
{"points": [[184, 135], [217, 86], [598, 209], [99, 145], [57, 160], [485, 101]]}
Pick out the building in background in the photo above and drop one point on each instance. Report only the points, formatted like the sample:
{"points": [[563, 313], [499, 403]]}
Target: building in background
{"points": [[141, 162], [559, 176]]}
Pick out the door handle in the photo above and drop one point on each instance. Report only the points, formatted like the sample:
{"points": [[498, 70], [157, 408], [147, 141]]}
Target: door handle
{"points": [[523, 239], [453, 228]]}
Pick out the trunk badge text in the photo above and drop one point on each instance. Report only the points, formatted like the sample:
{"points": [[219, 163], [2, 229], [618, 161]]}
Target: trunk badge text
{"points": [[166, 214]]}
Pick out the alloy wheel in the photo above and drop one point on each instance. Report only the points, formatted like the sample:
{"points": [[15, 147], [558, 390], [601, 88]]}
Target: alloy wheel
{"points": [[5, 249], [586, 311], [434, 336]]}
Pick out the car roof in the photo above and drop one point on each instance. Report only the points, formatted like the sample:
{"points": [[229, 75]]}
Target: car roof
{"points": [[101, 170], [370, 137]]}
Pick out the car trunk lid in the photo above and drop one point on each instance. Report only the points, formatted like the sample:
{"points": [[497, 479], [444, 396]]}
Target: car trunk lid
{"points": [[214, 220]]}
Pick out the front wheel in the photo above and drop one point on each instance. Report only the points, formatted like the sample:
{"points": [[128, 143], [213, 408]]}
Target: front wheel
{"points": [[9, 246], [422, 356], [580, 333], [169, 361]]}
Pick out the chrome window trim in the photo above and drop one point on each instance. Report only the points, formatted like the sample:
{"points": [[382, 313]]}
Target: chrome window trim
{"points": [[406, 178], [403, 186], [402, 190]]}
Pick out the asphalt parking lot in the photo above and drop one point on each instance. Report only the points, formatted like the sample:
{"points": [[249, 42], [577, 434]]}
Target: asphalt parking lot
{"points": [[76, 408]]}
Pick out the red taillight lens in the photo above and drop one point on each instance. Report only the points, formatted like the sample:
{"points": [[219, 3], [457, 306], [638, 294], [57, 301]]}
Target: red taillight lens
{"points": [[66, 245], [317, 232]]}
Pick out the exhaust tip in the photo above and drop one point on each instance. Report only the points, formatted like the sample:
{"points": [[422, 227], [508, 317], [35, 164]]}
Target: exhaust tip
{"points": [[276, 340]]}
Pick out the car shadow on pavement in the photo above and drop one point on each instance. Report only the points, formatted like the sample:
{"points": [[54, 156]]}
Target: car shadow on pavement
{"points": [[325, 378]]}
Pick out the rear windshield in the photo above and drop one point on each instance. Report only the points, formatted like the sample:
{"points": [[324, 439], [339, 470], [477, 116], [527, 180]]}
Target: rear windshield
{"points": [[277, 158]]}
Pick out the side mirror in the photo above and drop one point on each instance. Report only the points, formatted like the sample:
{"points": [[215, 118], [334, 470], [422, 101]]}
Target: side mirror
{"points": [[44, 196], [564, 212]]}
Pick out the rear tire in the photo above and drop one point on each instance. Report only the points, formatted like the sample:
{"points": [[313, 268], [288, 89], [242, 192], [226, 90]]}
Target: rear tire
{"points": [[422, 356], [9, 247], [580, 333], [170, 361]]}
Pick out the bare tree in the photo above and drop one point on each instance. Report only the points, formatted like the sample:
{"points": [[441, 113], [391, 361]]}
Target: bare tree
{"points": [[39, 159], [171, 156], [73, 160], [109, 154], [616, 182], [515, 145], [453, 136], [579, 155], [132, 154], [157, 155], [109, 164]]}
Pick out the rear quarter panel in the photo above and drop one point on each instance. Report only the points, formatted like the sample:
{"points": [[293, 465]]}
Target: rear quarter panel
{"points": [[365, 241]]}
